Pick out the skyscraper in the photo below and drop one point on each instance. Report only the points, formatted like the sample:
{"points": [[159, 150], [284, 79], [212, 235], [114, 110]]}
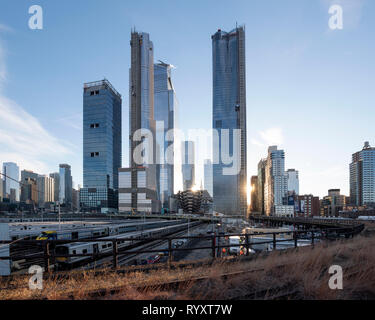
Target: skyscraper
{"points": [[276, 184], [261, 182], [254, 194], [45, 187], [362, 177], [138, 184], [101, 145], [229, 112], [65, 185], [188, 164], [165, 104], [208, 176], [11, 175], [56, 179], [293, 181]]}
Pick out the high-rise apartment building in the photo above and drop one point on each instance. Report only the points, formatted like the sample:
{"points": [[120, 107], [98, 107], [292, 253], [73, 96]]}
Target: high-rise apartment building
{"points": [[293, 181], [276, 184], [11, 176], [46, 191], [228, 116], [165, 114], [362, 177], [208, 177], [142, 131], [254, 194], [29, 191], [56, 179], [101, 146], [261, 182], [188, 164], [65, 185]]}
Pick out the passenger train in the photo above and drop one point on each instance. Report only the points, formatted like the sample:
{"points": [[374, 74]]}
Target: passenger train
{"points": [[75, 232], [101, 247]]}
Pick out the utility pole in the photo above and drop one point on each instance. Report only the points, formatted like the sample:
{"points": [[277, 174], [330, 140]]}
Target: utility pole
{"points": [[59, 217]]}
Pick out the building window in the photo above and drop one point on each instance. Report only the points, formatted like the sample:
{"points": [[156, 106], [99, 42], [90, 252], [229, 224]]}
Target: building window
{"points": [[92, 154], [96, 154], [97, 92], [92, 93], [92, 125]]}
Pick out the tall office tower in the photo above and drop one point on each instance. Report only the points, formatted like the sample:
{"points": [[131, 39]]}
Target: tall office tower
{"points": [[276, 183], [11, 187], [293, 181], [254, 194], [261, 181], [188, 164], [56, 179], [229, 112], [362, 177], [208, 177], [101, 146], [65, 185], [46, 190], [165, 105], [28, 174], [136, 195]]}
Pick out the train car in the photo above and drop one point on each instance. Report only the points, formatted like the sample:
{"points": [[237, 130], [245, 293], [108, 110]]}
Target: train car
{"points": [[102, 247]]}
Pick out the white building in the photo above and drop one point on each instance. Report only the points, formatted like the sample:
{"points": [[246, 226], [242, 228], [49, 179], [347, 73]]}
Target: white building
{"points": [[293, 181], [276, 184], [284, 211], [46, 189]]}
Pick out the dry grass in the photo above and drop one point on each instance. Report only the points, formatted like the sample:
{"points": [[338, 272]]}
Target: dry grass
{"points": [[303, 271]]}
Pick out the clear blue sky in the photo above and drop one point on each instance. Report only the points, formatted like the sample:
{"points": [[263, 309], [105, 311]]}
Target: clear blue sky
{"points": [[309, 89]]}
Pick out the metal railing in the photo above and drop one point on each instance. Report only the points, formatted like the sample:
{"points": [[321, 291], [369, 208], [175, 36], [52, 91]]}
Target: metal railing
{"points": [[49, 256]]}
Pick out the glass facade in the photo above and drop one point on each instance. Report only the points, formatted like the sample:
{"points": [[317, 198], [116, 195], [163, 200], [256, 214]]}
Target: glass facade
{"points": [[208, 176], [229, 112], [101, 143], [362, 177], [65, 185], [11, 188], [164, 113], [188, 166]]}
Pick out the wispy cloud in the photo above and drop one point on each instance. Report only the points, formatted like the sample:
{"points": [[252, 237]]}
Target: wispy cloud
{"points": [[5, 28], [268, 137], [22, 137], [73, 121]]}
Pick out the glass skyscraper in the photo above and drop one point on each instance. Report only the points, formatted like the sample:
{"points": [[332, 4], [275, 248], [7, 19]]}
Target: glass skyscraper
{"points": [[11, 188], [101, 145], [65, 185], [165, 104], [229, 112], [188, 164], [362, 177], [141, 195]]}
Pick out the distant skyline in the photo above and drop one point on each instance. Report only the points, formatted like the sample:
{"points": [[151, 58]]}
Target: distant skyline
{"points": [[309, 88]]}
